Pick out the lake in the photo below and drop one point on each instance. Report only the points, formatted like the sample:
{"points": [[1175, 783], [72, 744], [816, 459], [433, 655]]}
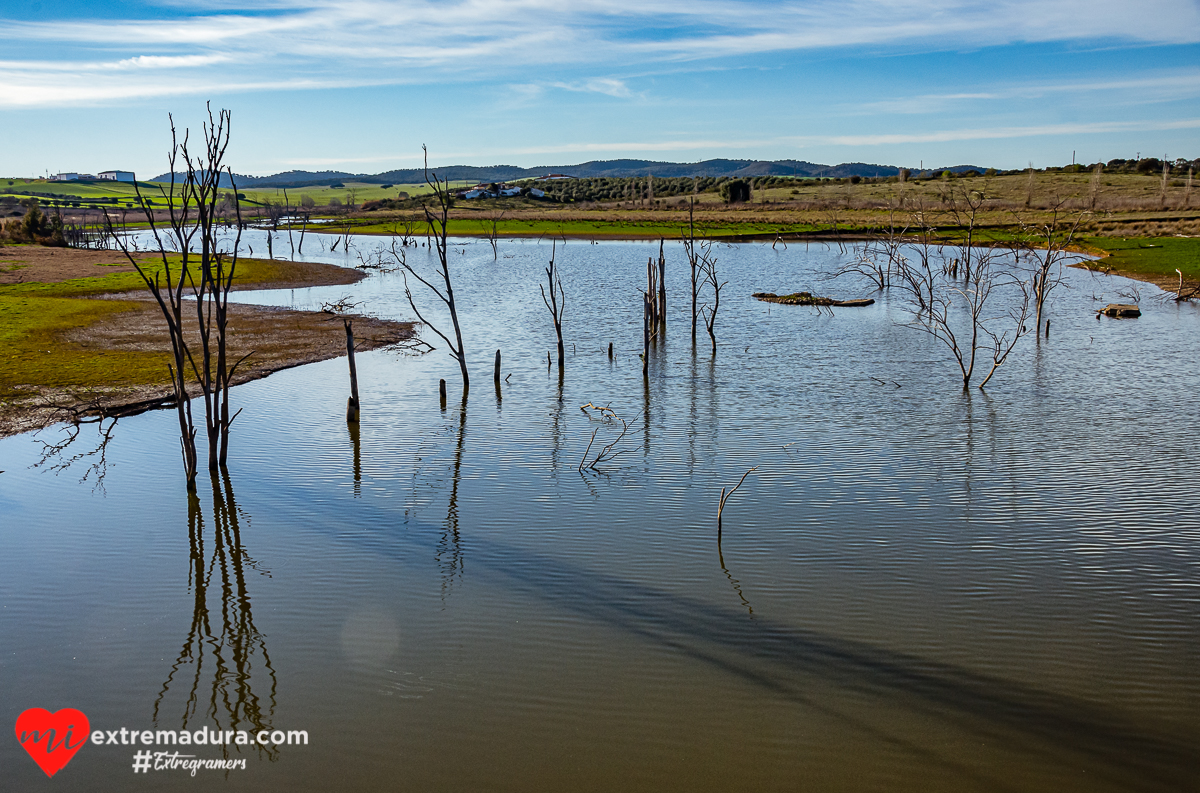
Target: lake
{"points": [[919, 588]]}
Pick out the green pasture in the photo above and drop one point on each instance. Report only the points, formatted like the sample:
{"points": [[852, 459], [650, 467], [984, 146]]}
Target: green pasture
{"points": [[106, 193], [35, 316], [599, 229], [1150, 256]]}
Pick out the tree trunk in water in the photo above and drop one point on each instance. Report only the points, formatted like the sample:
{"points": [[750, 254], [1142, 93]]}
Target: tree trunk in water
{"points": [[662, 285], [645, 334], [352, 403]]}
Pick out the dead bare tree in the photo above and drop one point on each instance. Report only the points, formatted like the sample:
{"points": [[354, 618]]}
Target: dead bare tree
{"points": [[955, 313], [287, 214], [491, 231], [917, 276], [710, 312], [557, 301], [1094, 187], [192, 212], [1046, 244], [662, 286], [1189, 291], [965, 205], [725, 497], [876, 259], [340, 310], [437, 221], [698, 253]]}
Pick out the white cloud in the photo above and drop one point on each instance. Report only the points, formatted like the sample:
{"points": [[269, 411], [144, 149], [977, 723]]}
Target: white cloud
{"points": [[599, 85], [357, 41], [811, 141]]}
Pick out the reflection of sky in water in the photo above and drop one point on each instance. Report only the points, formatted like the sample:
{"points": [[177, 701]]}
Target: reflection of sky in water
{"points": [[949, 590]]}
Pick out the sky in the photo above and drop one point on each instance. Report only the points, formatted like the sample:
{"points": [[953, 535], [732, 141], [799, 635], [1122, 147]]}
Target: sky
{"points": [[360, 85]]}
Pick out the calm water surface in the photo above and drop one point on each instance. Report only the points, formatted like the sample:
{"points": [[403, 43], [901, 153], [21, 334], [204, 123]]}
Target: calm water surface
{"points": [[918, 589]]}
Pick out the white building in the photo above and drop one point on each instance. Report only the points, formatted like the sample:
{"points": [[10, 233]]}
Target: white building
{"points": [[118, 176], [67, 177]]}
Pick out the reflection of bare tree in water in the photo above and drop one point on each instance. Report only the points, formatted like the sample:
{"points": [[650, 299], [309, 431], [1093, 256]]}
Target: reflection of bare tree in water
{"points": [[223, 650], [449, 554], [63, 453], [356, 443], [556, 427], [737, 585]]}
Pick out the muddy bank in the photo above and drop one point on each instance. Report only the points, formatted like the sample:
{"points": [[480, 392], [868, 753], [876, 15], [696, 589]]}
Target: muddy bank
{"points": [[42, 385]]}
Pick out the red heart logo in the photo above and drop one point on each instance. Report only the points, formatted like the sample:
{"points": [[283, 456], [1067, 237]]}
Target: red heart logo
{"points": [[51, 738]]}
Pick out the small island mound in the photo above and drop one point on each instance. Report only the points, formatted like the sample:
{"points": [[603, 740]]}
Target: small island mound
{"points": [[807, 299]]}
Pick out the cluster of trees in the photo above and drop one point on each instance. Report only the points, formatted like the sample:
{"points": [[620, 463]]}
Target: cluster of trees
{"points": [[35, 228], [1147, 165], [646, 187], [404, 201]]}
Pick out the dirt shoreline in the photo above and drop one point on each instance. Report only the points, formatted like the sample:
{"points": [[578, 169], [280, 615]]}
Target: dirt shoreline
{"points": [[277, 338]]}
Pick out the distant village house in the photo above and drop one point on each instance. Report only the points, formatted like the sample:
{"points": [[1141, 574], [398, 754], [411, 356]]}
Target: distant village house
{"points": [[488, 191], [118, 176]]}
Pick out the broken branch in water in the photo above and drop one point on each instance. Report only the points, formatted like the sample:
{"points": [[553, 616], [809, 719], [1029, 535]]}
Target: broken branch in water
{"points": [[725, 497], [605, 412], [608, 452]]}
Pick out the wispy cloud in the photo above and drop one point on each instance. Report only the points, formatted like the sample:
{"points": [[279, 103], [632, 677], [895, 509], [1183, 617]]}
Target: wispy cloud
{"points": [[366, 41], [824, 141], [599, 85], [1140, 88]]}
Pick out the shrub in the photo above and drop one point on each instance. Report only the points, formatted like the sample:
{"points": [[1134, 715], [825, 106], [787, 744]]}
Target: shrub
{"points": [[735, 191], [36, 227]]}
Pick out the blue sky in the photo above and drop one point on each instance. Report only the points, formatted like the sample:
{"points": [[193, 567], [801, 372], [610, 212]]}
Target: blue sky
{"points": [[359, 85]]}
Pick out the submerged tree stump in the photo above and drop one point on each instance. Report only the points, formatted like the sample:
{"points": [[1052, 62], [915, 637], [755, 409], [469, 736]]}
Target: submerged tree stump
{"points": [[807, 299], [1120, 311]]}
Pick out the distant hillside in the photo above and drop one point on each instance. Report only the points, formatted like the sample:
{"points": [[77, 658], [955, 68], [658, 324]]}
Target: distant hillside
{"points": [[593, 169]]}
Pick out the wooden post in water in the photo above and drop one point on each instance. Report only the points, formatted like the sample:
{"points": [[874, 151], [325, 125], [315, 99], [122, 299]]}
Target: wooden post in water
{"points": [[1047, 329], [442, 393], [352, 403], [645, 334], [662, 285], [610, 351], [496, 372]]}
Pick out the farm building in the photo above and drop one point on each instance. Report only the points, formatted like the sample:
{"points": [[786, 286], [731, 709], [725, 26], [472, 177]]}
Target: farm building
{"points": [[118, 176]]}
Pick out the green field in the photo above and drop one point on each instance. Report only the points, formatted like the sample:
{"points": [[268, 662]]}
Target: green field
{"points": [[1152, 256], [123, 194], [599, 229], [34, 316]]}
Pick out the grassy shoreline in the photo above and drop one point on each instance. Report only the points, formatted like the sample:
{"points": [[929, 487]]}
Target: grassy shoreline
{"points": [[102, 338]]}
